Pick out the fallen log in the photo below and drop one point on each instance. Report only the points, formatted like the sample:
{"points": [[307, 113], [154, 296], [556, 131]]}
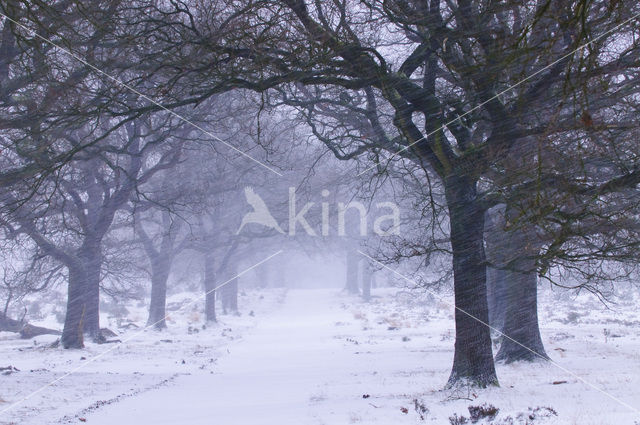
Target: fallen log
{"points": [[25, 330], [10, 325], [30, 331]]}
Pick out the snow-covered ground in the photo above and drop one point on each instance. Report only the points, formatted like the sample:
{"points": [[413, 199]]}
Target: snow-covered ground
{"points": [[317, 356]]}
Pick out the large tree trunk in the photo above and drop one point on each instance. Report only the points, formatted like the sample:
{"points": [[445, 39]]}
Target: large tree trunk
{"points": [[83, 299], [209, 287], [160, 267], [352, 271], [473, 358], [497, 297], [73, 331], [496, 247], [91, 256], [161, 260], [521, 339]]}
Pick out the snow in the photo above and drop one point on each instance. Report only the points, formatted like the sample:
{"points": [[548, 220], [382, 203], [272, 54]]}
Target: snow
{"points": [[318, 356]]}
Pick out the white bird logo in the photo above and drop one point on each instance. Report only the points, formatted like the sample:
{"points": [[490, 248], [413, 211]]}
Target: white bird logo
{"points": [[260, 213]]}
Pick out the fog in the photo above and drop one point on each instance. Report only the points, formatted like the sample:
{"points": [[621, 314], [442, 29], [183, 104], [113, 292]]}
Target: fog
{"points": [[313, 212]]}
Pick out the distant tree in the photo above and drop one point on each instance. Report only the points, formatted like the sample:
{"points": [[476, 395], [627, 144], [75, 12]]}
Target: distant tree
{"points": [[160, 254]]}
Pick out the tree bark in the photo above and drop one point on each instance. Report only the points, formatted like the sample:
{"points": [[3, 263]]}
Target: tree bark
{"points": [[161, 260], [73, 331], [473, 358], [496, 246], [352, 272], [83, 299], [497, 297], [521, 340], [160, 267], [91, 256], [209, 287]]}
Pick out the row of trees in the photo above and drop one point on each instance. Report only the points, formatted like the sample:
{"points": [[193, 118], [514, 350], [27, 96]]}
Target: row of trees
{"points": [[106, 195], [511, 127]]}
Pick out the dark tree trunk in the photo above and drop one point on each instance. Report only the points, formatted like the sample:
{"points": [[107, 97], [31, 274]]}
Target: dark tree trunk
{"points": [[521, 340], [352, 272], [161, 260], [160, 268], [230, 291], [496, 247], [92, 259], [473, 358], [83, 299], [367, 277], [497, 297], [209, 287], [73, 331]]}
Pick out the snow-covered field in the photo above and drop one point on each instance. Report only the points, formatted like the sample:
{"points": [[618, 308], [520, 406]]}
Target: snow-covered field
{"points": [[318, 356]]}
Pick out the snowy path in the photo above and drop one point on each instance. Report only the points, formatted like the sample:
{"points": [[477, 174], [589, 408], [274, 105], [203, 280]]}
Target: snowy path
{"points": [[324, 358], [270, 377]]}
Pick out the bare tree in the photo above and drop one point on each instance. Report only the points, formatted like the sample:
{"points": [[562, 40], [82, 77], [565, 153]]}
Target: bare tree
{"points": [[70, 220]]}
